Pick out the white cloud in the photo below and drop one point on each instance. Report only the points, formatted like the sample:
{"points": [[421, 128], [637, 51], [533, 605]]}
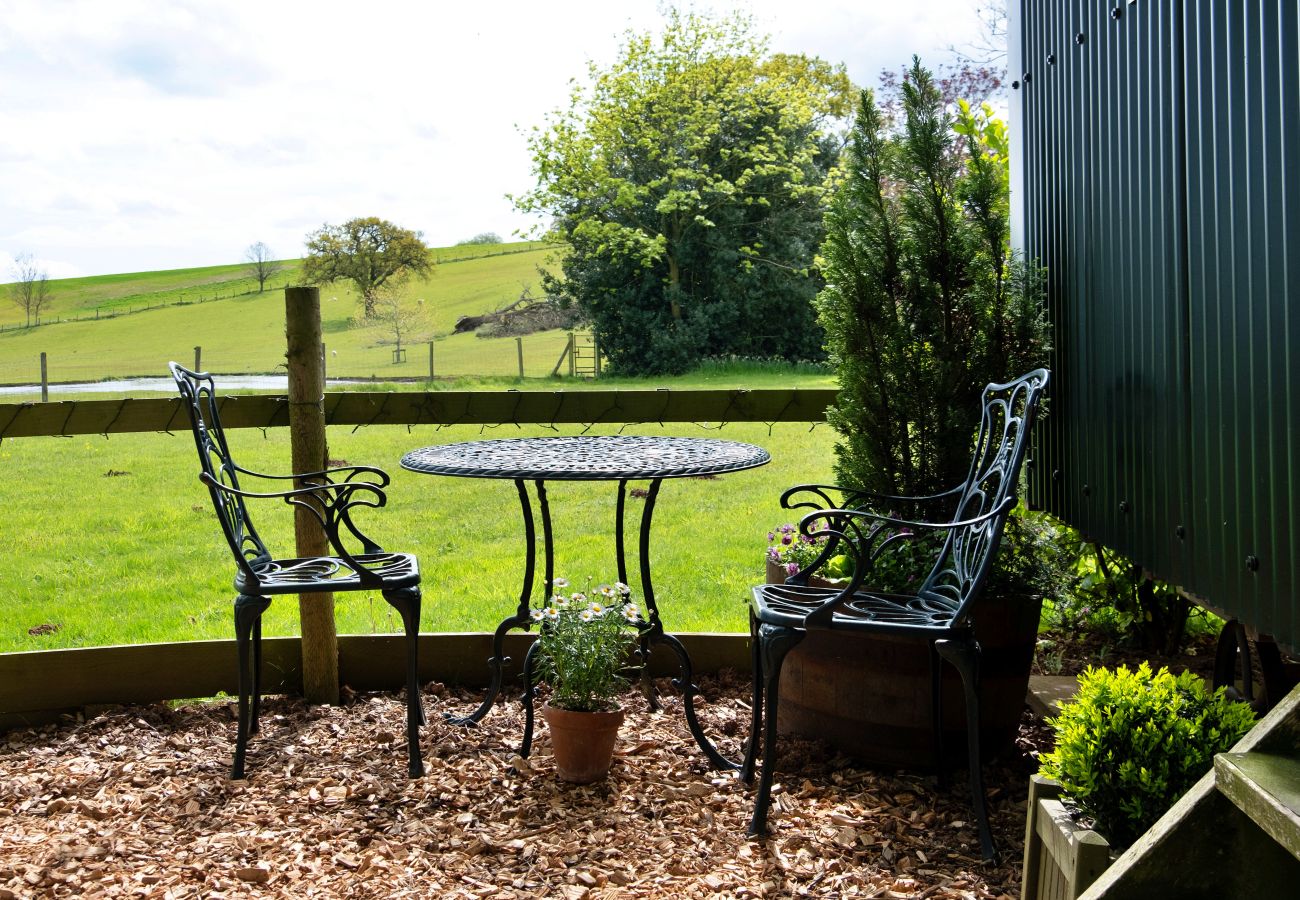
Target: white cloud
{"points": [[136, 135]]}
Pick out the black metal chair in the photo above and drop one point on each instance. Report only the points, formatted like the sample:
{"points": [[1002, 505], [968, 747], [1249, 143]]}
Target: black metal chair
{"points": [[331, 496], [943, 608]]}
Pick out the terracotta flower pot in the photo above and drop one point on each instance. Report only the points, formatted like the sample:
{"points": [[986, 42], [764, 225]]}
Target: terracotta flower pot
{"points": [[582, 742]]}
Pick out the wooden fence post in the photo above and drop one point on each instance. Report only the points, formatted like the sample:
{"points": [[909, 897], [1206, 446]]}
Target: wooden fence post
{"points": [[320, 655], [519, 345], [45, 380], [431, 360], [198, 359], [573, 356]]}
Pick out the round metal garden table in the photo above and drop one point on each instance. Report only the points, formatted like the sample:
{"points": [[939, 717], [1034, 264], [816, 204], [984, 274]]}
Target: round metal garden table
{"points": [[620, 458]]}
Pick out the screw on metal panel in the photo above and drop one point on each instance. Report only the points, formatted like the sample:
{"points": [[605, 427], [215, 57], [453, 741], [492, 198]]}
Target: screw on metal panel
{"points": [[1116, 13], [1015, 85], [1124, 506], [1056, 474], [1025, 78], [1080, 38], [1051, 59], [1087, 490], [1180, 532], [1252, 563]]}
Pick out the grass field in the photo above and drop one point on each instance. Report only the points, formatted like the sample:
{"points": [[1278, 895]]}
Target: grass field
{"points": [[82, 297], [114, 540], [246, 333]]}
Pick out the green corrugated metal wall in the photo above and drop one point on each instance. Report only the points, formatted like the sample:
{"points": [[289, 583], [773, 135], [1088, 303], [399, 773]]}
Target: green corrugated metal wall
{"points": [[1157, 178]]}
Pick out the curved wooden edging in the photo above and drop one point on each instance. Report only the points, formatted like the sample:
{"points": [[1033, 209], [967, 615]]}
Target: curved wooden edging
{"points": [[39, 686]]}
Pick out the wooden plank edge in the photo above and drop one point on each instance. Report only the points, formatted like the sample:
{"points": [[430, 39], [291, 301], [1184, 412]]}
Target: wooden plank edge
{"points": [[39, 686]]}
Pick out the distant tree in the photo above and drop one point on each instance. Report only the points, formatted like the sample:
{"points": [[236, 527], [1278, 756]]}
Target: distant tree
{"points": [[402, 320], [989, 47], [261, 264], [31, 288], [374, 254], [687, 180], [487, 237]]}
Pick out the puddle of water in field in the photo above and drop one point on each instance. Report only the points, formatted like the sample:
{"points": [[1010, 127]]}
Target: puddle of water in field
{"points": [[161, 385]]}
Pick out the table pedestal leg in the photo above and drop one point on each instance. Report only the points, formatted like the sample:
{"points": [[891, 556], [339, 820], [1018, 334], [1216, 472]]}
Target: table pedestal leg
{"points": [[530, 661], [521, 618], [686, 684]]}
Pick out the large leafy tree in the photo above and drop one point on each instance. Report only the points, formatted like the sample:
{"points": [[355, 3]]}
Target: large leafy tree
{"points": [[924, 301], [687, 179], [374, 254]]}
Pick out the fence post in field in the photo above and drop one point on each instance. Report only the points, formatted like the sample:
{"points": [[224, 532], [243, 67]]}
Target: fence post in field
{"points": [[595, 350], [320, 653], [519, 345], [198, 359], [45, 381], [431, 360], [573, 359]]}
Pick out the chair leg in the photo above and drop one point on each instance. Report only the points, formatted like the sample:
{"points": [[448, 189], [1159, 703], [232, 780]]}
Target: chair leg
{"points": [[755, 703], [964, 653], [774, 643], [248, 614], [407, 603], [936, 715], [254, 725]]}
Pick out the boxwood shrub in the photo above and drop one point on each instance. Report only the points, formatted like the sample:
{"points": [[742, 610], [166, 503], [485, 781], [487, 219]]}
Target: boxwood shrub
{"points": [[1131, 743]]}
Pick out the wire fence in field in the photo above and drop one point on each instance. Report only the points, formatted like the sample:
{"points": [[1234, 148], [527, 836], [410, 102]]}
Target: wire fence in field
{"points": [[55, 376]]}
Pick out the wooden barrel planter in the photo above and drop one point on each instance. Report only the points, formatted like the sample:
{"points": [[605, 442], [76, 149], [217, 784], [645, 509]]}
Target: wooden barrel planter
{"points": [[869, 695]]}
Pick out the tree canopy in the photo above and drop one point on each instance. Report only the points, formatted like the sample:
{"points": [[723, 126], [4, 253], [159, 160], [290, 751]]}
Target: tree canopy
{"points": [[374, 254], [688, 180]]}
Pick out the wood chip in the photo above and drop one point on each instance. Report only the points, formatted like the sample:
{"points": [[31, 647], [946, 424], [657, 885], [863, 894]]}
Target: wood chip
{"points": [[136, 801]]}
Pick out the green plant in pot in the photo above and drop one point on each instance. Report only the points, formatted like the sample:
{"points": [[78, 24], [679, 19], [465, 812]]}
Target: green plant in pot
{"points": [[584, 641], [1131, 743]]}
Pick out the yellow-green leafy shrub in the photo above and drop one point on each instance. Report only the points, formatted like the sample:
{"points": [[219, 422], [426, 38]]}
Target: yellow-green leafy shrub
{"points": [[1131, 743]]}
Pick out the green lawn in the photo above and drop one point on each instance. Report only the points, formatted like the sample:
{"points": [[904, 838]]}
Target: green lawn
{"points": [[246, 333], [114, 541]]}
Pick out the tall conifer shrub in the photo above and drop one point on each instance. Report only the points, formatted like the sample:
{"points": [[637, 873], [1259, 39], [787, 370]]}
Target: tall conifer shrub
{"points": [[924, 301]]}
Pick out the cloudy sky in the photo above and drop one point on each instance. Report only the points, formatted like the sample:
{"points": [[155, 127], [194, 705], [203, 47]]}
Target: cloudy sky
{"points": [[139, 135]]}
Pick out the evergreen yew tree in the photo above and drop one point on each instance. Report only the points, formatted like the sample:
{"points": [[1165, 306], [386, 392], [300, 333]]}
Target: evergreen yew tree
{"points": [[924, 301]]}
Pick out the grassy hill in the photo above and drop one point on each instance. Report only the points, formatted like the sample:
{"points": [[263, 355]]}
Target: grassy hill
{"points": [[243, 331]]}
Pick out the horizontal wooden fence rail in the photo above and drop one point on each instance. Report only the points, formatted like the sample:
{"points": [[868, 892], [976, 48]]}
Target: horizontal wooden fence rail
{"points": [[39, 686], [428, 408]]}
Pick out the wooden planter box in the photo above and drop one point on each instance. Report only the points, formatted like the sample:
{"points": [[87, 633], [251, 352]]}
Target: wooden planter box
{"points": [[1061, 859], [869, 694]]}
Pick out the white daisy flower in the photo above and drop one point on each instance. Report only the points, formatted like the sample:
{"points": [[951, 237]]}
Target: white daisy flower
{"points": [[537, 615], [560, 583], [596, 609], [622, 588], [552, 613], [631, 613], [586, 615]]}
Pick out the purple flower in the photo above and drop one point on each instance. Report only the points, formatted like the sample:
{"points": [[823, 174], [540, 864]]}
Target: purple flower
{"points": [[771, 536], [791, 568], [787, 528], [773, 555], [786, 539]]}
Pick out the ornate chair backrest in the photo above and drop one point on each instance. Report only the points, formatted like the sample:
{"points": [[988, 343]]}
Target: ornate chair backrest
{"points": [[968, 553], [198, 395]]}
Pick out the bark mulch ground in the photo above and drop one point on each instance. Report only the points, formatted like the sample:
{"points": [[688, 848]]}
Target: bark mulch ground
{"points": [[136, 802]]}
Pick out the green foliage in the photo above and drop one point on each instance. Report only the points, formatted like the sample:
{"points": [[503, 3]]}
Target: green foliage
{"points": [[372, 253], [486, 237], [1131, 743], [924, 301], [583, 640], [688, 180]]}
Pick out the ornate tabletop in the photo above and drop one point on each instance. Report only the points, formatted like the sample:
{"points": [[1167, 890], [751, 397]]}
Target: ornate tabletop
{"points": [[587, 458]]}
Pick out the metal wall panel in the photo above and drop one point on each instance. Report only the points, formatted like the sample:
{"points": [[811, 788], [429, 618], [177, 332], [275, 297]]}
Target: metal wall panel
{"points": [[1157, 157]]}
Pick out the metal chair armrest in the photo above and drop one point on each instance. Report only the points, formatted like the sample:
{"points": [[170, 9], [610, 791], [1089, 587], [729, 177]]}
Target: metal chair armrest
{"points": [[869, 543], [820, 497], [324, 473], [332, 504]]}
